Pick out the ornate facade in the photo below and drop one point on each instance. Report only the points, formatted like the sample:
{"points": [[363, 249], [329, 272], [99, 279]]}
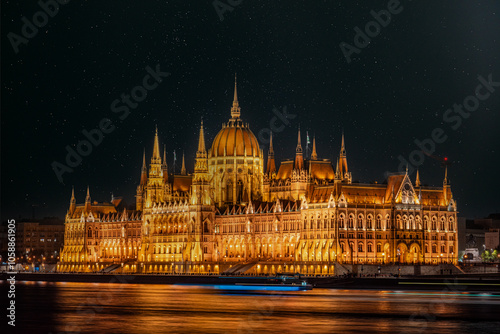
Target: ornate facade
{"points": [[229, 215]]}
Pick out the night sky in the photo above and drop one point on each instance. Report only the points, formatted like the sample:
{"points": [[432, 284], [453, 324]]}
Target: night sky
{"points": [[286, 54]]}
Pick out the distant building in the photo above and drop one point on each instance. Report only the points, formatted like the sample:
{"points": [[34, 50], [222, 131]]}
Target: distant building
{"points": [[492, 238], [302, 217], [39, 240], [472, 234]]}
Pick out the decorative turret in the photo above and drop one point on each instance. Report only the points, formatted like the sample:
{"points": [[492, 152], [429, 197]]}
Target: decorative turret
{"points": [[299, 159], [271, 166]]}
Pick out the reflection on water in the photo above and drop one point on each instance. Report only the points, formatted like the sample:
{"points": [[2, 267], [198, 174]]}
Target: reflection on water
{"points": [[135, 308]]}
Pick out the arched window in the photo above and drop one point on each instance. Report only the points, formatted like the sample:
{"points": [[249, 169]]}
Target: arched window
{"points": [[351, 221], [369, 248], [341, 221], [360, 247], [369, 222], [379, 222], [360, 221]]}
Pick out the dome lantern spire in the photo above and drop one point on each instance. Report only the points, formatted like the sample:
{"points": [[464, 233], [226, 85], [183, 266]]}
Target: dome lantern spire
{"points": [[235, 110]]}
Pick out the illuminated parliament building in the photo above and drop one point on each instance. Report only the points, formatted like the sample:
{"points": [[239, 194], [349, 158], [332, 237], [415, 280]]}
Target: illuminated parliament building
{"points": [[237, 213]]}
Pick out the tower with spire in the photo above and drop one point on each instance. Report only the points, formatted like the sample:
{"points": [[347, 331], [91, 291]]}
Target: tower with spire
{"points": [[201, 161], [201, 208], [155, 184]]}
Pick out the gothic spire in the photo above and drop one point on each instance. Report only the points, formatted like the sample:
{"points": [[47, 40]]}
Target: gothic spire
{"points": [[72, 202], [299, 159], [164, 166], [201, 141], [156, 149], [299, 146], [314, 155], [235, 110], [87, 200], [343, 160], [144, 170], [271, 150], [144, 161], [417, 180], [271, 166], [183, 168], [164, 162], [342, 147], [445, 180]]}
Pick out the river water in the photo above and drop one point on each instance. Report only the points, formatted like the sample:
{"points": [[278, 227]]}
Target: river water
{"points": [[43, 307]]}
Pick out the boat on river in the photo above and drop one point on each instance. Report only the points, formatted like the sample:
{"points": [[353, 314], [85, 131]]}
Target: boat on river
{"points": [[282, 282]]}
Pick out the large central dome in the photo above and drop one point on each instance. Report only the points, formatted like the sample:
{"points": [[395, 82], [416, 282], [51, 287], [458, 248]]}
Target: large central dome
{"points": [[235, 138]]}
